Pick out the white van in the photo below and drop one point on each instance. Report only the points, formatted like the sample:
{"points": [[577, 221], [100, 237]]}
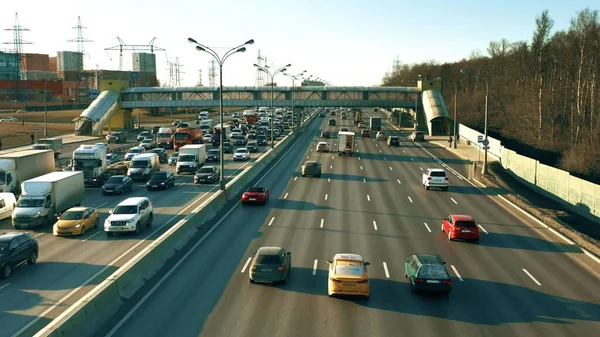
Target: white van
{"points": [[143, 166], [7, 205], [203, 114]]}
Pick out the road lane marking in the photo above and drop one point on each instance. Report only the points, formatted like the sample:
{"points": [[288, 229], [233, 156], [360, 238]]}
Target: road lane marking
{"points": [[307, 157], [331, 167], [315, 267], [403, 151], [483, 229], [427, 226], [271, 222], [357, 151], [246, 264], [454, 201], [420, 168], [374, 224], [456, 273], [361, 168], [364, 180], [91, 236], [531, 276], [100, 206], [391, 169], [380, 151], [398, 180], [285, 196], [332, 157], [322, 222], [412, 159], [325, 196], [384, 158], [38, 235], [4, 286], [368, 198], [295, 178], [311, 150], [409, 199], [328, 179], [385, 269], [358, 158]]}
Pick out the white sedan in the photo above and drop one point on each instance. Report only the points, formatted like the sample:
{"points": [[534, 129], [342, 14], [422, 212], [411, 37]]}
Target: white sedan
{"points": [[207, 138], [9, 119], [241, 154]]}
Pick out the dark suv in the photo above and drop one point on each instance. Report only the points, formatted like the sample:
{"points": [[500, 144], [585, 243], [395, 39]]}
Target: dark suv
{"points": [[427, 273], [16, 248], [393, 141], [116, 137], [261, 140]]}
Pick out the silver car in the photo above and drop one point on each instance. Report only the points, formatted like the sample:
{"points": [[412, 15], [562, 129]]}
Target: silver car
{"points": [[270, 264]]}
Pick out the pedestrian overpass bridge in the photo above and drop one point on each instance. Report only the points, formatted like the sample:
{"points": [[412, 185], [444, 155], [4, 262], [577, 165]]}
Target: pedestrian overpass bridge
{"points": [[429, 104]]}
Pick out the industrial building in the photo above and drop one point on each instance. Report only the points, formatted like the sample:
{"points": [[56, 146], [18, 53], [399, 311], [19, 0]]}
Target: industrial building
{"points": [[10, 67]]}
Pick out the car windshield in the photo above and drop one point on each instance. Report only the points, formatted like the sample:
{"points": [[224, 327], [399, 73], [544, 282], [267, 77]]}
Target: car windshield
{"points": [[213, 151], [30, 202], [348, 268], [158, 151], [159, 176], [205, 170], [175, 155], [437, 174], [267, 259], [240, 151], [125, 210], [186, 158], [181, 135], [72, 215], [255, 189], [136, 150], [465, 224], [115, 180], [139, 164], [432, 271]]}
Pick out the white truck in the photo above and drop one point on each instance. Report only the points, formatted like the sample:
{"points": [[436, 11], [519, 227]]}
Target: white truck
{"points": [[91, 159], [16, 167], [55, 144], [345, 143], [191, 158], [45, 197]]}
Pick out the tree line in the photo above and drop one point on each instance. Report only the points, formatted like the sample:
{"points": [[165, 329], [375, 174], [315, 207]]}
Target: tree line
{"points": [[544, 94]]}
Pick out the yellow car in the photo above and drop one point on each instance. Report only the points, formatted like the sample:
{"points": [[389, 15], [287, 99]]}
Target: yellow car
{"points": [[76, 221], [348, 275]]}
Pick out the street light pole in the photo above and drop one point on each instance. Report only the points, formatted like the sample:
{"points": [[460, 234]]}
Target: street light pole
{"points": [[272, 77], [294, 77], [221, 60], [455, 102], [484, 170]]}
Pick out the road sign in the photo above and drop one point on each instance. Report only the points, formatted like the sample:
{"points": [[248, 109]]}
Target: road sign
{"points": [[479, 138], [485, 142], [35, 128]]}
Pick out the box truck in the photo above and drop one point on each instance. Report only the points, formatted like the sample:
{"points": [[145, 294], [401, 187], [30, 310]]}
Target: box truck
{"points": [[375, 123], [345, 143], [45, 197], [55, 144], [16, 167], [191, 158]]}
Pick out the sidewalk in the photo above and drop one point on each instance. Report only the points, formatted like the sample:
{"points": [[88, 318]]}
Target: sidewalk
{"points": [[67, 139]]}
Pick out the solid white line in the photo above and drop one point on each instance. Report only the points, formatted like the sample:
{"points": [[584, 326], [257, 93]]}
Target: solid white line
{"points": [[180, 184], [246, 265], [479, 182], [427, 226], [409, 199], [361, 168], [331, 167], [385, 269], [565, 239], [295, 178], [285, 196], [531, 276], [315, 267], [398, 180], [328, 179], [38, 235], [456, 272], [374, 224], [271, 222], [368, 198], [412, 159], [483, 229], [364, 180], [454, 201], [106, 203], [325, 196], [322, 222], [4, 286], [391, 169], [91, 236]]}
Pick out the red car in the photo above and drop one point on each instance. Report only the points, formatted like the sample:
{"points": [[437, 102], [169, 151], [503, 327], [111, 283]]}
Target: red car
{"points": [[460, 227], [255, 195], [365, 133]]}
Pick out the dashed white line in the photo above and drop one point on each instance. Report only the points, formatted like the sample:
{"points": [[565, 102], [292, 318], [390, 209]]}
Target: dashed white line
{"points": [[403, 151], [285, 196], [332, 157], [427, 226], [331, 167], [325, 196], [456, 273], [420, 168], [91, 236], [315, 267], [38, 235], [391, 169], [271, 222], [368, 198], [409, 199], [454, 201], [385, 269], [399, 182], [361, 168], [531, 276], [4, 286], [307, 157], [246, 265], [375, 224], [322, 222], [100, 206], [412, 159], [483, 229], [358, 158], [311, 150], [295, 178], [364, 180], [328, 179], [384, 158]]}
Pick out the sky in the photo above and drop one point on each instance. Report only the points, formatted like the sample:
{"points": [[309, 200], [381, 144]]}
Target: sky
{"points": [[344, 42]]}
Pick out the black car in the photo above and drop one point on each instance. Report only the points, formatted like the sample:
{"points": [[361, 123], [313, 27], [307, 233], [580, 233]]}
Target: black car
{"points": [[161, 180], [240, 142], [162, 154], [227, 147], [117, 184], [15, 249], [393, 140], [206, 174], [252, 147], [261, 140], [212, 155], [427, 273], [155, 129]]}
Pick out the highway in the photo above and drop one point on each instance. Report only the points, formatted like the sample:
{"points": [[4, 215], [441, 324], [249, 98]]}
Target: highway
{"points": [[68, 267], [518, 281]]}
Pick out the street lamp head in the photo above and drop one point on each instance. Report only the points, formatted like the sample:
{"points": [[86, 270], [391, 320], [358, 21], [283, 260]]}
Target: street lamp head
{"points": [[256, 65], [198, 48], [241, 50], [283, 70], [289, 65], [249, 42], [190, 40]]}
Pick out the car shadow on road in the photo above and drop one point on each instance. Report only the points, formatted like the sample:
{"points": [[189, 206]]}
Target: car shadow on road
{"points": [[408, 158], [472, 301], [476, 191], [513, 241], [296, 205], [351, 177]]}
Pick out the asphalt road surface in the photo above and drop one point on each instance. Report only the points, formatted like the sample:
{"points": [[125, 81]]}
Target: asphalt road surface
{"points": [[518, 281]]}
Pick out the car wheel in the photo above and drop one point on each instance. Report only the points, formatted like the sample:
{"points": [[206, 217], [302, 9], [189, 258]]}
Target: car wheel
{"points": [[426, 188], [6, 271], [252, 281], [138, 229], [32, 258], [450, 235], [82, 233], [149, 224], [96, 223], [412, 288], [109, 233]]}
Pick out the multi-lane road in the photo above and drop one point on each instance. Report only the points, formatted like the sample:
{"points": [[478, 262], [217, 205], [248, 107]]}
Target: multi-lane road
{"points": [[68, 267], [518, 281]]}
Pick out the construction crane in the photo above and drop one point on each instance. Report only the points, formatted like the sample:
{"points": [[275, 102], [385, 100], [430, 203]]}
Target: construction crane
{"points": [[133, 47]]}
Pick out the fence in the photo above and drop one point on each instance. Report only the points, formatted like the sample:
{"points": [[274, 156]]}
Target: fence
{"points": [[574, 193]]}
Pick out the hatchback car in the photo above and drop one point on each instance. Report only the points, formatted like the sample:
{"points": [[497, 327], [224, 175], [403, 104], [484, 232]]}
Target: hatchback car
{"points": [[117, 184], [427, 273], [393, 141], [322, 147], [270, 264], [325, 134], [173, 158], [255, 195], [15, 249], [241, 154], [161, 180], [435, 178], [227, 147], [207, 174], [252, 147], [162, 154], [460, 227], [365, 133], [76, 221], [331, 122], [348, 275], [362, 125], [212, 155], [311, 168]]}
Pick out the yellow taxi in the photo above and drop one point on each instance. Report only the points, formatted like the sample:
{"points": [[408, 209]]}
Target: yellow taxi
{"points": [[348, 275], [76, 221]]}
